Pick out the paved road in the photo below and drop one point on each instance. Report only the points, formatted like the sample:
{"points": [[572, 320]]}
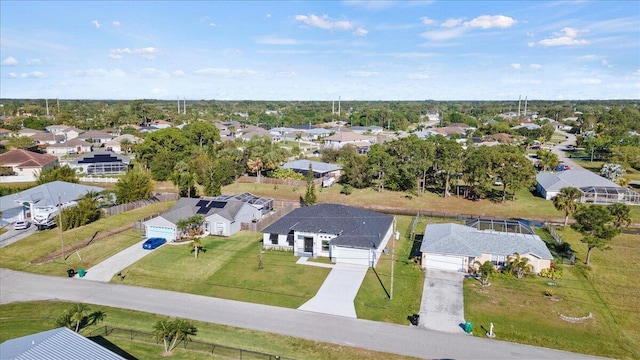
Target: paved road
{"points": [[12, 236], [442, 307], [378, 336], [558, 150], [338, 291]]}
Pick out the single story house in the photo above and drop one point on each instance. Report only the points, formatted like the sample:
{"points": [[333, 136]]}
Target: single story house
{"points": [[371, 129], [42, 198], [60, 343], [27, 163], [320, 169], [73, 146], [96, 137], [116, 146], [594, 188], [455, 247], [342, 233], [101, 163], [221, 217], [337, 141]]}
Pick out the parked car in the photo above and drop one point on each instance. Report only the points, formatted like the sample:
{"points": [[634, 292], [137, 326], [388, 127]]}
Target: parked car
{"points": [[21, 225], [153, 243]]}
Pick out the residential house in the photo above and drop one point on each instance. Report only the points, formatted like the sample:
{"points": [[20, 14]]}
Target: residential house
{"points": [[371, 129], [317, 134], [30, 132], [44, 138], [342, 233], [101, 163], [26, 163], [4, 133], [96, 137], [320, 169], [340, 139], [73, 146], [116, 146], [595, 188], [222, 215], [60, 343], [455, 247]]}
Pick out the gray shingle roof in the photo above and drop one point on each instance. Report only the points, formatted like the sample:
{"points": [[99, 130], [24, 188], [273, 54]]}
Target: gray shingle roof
{"points": [[187, 207], [60, 343], [553, 182], [455, 239], [48, 194], [316, 166], [355, 227]]}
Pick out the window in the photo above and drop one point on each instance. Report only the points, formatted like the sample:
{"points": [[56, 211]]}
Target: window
{"points": [[499, 260], [325, 245], [274, 239]]}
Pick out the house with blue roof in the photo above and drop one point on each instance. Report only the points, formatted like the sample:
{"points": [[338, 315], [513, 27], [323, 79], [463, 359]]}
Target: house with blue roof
{"points": [[342, 233], [455, 247]]}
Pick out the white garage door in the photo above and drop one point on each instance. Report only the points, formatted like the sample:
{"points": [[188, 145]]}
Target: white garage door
{"points": [[444, 262], [351, 256], [160, 231]]}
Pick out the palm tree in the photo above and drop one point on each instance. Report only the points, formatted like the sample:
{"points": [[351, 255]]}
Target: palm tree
{"points": [[183, 226], [519, 266], [78, 314], [485, 270], [196, 246], [163, 329], [182, 331], [566, 201]]}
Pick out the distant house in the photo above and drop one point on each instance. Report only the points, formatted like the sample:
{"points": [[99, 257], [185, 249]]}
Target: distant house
{"points": [[101, 163], [595, 188], [43, 138], [337, 141], [73, 146], [96, 137], [455, 247], [342, 233], [5, 133], [222, 215], [371, 129], [320, 169], [115, 144], [60, 343], [27, 163]]}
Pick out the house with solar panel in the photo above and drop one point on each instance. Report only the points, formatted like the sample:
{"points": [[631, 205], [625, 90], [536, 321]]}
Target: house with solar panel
{"points": [[222, 215], [103, 163]]}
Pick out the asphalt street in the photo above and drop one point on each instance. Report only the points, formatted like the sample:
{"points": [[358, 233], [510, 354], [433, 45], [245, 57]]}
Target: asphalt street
{"points": [[378, 336]]}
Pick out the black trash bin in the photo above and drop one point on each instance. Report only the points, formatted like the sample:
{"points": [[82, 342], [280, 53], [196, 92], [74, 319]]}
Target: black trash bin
{"points": [[71, 273]]}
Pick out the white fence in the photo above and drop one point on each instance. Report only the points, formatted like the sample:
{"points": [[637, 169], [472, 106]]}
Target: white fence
{"points": [[17, 179], [98, 180]]}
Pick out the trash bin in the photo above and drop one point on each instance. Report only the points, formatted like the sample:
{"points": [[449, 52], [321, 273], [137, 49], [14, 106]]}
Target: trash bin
{"points": [[81, 272], [468, 327], [71, 273]]}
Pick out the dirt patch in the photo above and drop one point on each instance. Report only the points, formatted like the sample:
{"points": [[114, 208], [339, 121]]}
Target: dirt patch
{"points": [[82, 244]]}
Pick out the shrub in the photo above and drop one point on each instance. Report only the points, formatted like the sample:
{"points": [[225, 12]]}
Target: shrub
{"points": [[346, 189]]}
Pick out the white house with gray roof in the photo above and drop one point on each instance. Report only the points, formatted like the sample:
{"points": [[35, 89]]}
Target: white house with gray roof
{"points": [[320, 169], [342, 233], [594, 188], [221, 217], [455, 247]]}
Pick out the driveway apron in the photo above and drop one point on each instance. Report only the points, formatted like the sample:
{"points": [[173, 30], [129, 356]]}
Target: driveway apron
{"points": [[442, 307], [106, 270], [338, 291]]}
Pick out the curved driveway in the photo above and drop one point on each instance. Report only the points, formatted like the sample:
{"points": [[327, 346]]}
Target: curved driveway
{"points": [[378, 336]]}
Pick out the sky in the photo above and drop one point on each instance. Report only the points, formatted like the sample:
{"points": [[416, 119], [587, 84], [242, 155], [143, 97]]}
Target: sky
{"points": [[320, 50]]}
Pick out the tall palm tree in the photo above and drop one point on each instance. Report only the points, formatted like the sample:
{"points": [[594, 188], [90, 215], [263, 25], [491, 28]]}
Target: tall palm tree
{"points": [[519, 266], [567, 201], [163, 329], [485, 270], [78, 314]]}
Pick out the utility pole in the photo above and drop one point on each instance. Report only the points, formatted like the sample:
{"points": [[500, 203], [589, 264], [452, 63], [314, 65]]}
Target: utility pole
{"points": [[60, 226], [393, 248]]}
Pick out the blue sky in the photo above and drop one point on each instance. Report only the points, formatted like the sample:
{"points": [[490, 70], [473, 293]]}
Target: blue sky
{"points": [[288, 50]]}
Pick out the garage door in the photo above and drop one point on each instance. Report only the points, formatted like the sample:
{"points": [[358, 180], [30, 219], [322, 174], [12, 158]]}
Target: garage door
{"points": [[160, 231], [444, 262], [351, 256]]}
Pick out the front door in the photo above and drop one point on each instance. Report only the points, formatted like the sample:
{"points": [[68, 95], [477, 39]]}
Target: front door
{"points": [[308, 245]]}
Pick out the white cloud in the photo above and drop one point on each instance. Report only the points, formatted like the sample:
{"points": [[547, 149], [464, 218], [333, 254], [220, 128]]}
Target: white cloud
{"points": [[10, 61], [151, 73], [148, 53], [590, 81], [451, 23], [360, 32], [531, 44], [115, 56], [34, 62], [362, 74], [426, 21], [439, 35], [212, 24], [115, 23], [286, 74], [271, 40], [33, 75], [268, 15], [96, 23], [226, 72], [121, 51], [515, 66], [535, 66], [566, 37], [605, 63], [420, 75], [100, 72], [491, 21], [178, 73], [12, 75], [324, 22]]}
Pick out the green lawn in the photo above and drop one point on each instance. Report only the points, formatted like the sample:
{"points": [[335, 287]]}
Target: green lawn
{"points": [[20, 319], [229, 270], [609, 290], [23, 254]]}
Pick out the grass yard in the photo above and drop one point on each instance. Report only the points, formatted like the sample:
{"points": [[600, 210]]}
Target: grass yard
{"points": [[20, 319], [23, 254], [608, 289], [229, 270]]}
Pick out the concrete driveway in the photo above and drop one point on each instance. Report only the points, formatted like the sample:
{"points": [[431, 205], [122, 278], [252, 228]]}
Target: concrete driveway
{"points": [[107, 269], [442, 307], [339, 289], [12, 235]]}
